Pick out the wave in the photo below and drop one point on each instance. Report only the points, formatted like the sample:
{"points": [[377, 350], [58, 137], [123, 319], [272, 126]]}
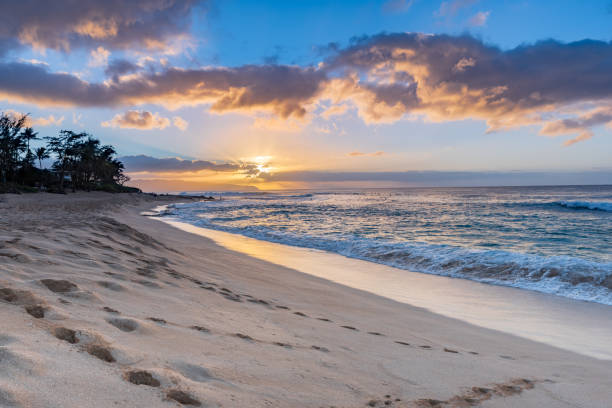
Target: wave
{"points": [[587, 205], [567, 276]]}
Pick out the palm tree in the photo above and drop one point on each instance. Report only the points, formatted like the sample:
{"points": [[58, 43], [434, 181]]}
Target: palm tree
{"points": [[42, 154], [29, 134]]}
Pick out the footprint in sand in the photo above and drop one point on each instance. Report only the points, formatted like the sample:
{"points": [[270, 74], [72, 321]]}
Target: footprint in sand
{"points": [[244, 337], [324, 319], [8, 295], [111, 285], [140, 377], [101, 352], [477, 395], [232, 297], [157, 320], [300, 314], [126, 325], [110, 310], [285, 345], [376, 334], [349, 328], [65, 334], [19, 297], [200, 329], [259, 301], [36, 311], [319, 348], [59, 286], [183, 398], [147, 283]]}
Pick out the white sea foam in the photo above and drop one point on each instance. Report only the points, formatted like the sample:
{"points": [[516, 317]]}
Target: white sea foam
{"points": [[524, 242], [586, 205]]}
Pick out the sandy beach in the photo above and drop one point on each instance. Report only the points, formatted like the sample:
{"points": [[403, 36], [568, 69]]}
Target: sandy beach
{"points": [[104, 307]]}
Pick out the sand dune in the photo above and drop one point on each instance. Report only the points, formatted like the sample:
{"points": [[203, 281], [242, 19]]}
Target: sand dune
{"points": [[103, 307]]}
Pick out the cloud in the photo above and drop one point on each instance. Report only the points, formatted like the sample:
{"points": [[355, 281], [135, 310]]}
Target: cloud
{"points": [[397, 6], [580, 125], [180, 123], [138, 120], [143, 163], [99, 57], [76, 119], [373, 154], [384, 78], [147, 24], [464, 63], [454, 78], [479, 19], [334, 110], [31, 121], [119, 67], [48, 121], [282, 90], [452, 7]]}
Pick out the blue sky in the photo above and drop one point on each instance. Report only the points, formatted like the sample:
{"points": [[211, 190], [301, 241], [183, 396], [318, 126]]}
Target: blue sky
{"points": [[225, 98]]}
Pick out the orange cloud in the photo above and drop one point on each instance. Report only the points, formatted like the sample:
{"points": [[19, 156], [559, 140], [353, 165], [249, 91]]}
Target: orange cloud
{"points": [[384, 77], [138, 120], [50, 120]]}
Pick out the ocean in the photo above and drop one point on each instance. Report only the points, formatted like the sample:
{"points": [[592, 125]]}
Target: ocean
{"points": [[556, 240]]}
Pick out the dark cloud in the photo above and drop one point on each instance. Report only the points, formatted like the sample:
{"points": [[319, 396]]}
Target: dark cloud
{"points": [[461, 77], [119, 67], [281, 89], [64, 24], [143, 163]]}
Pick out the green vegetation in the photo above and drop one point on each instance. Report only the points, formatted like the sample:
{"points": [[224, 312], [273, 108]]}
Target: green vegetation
{"points": [[80, 161]]}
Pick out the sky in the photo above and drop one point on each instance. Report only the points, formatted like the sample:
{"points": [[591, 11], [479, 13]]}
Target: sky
{"points": [[212, 95]]}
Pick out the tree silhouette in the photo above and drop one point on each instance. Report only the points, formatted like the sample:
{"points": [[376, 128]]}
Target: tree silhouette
{"points": [[79, 159], [42, 154]]}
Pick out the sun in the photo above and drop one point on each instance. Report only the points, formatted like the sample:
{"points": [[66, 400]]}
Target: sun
{"points": [[262, 163]]}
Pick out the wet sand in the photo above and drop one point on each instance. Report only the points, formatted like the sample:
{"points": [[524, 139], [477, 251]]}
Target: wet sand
{"points": [[101, 306]]}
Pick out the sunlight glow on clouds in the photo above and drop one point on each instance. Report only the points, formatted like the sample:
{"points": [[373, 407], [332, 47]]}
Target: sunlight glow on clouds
{"points": [[385, 77], [138, 120], [200, 88]]}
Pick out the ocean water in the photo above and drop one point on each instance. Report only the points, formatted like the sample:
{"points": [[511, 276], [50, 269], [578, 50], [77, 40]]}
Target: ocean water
{"points": [[555, 240]]}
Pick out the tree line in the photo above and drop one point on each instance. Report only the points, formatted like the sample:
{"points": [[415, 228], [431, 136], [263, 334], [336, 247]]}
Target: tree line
{"points": [[80, 161]]}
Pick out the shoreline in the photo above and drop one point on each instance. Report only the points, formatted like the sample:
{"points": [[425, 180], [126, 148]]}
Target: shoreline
{"points": [[575, 325], [230, 330]]}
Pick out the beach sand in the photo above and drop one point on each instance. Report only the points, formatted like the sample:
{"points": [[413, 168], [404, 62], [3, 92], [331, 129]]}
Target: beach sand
{"points": [[103, 307]]}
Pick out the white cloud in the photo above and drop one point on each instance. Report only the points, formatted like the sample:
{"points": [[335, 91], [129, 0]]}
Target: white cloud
{"points": [[180, 122], [479, 19], [99, 57]]}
